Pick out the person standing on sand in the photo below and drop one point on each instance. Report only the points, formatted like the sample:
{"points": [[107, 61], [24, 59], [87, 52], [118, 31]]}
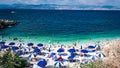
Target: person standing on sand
{"points": [[19, 40]]}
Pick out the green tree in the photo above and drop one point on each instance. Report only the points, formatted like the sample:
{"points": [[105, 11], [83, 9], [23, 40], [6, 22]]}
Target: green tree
{"points": [[10, 60]]}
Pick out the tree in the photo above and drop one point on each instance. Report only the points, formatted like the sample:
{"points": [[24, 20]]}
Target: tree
{"points": [[10, 60]]}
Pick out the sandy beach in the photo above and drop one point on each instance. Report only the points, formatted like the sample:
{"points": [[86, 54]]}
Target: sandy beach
{"points": [[80, 57]]}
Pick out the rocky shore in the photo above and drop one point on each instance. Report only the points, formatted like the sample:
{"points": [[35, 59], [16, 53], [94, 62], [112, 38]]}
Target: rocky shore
{"points": [[7, 23]]}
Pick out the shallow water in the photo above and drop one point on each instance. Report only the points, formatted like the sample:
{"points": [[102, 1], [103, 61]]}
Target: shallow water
{"points": [[61, 25]]}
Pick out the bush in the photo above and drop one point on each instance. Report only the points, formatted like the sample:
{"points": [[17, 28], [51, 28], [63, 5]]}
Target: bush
{"points": [[10, 60]]}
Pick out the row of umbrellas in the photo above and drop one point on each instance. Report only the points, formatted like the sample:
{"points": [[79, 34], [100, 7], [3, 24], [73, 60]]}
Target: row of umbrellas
{"points": [[40, 44], [43, 62], [13, 43], [58, 63]]}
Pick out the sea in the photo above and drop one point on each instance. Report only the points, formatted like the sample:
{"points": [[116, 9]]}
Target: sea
{"points": [[61, 26]]}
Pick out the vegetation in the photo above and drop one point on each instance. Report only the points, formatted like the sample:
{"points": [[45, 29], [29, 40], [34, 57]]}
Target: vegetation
{"points": [[112, 59], [96, 64], [10, 60]]}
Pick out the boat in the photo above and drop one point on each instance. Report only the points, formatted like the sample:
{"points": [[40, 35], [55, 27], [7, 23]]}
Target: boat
{"points": [[12, 11]]}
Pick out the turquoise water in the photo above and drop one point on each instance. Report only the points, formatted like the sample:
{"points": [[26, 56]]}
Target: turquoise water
{"points": [[61, 25]]}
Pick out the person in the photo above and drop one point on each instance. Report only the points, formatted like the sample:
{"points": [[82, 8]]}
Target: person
{"points": [[15, 38], [33, 60], [19, 39], [81, 54]]}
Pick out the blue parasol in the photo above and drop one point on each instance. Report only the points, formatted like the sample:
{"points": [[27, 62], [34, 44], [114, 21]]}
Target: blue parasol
{"points": [[91, 47], [72, 50], [72, 56], [4, 47], [53, 53], [2, 42], [11, 43], [30, 44], [42, 63], [60, 50], [36, 50], [40, 44], [84, 51], [15, 48]]}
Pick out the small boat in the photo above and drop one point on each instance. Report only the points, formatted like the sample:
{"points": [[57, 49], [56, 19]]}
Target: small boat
{"points": [[12, 12]]}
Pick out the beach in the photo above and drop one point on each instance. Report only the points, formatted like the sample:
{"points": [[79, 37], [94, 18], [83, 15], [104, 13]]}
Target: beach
{"points": [[54, 49]]}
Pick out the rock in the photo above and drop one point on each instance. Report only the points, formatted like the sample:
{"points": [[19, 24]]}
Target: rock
{"points": [[112, 52], [15, 38], [7, 23]]}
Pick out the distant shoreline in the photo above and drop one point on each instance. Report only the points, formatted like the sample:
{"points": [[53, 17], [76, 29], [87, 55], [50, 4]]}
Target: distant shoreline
{"points": [[60, 9]]}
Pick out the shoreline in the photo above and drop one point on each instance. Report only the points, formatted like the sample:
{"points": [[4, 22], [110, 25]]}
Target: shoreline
{"points": [[82, 42]]}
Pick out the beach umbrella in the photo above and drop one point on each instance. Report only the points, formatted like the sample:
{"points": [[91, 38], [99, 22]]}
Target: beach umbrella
{"points": [[100, 55], [54, 57], [91, 47], [31, 56], [30, 44], [59, 64], [72, 50], [97, 46], [60, 59], [20, 44], [25, 50], [84, 51], [93, 57], [15, 48], [2, 43], [36, 50], [72, 56], [42, 63], [53, 53], [40, 45], [4, 47], [11, 43], [60, 50]]}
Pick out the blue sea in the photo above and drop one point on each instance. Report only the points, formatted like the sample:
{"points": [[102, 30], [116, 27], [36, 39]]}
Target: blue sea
{"points": [[61, 25]]}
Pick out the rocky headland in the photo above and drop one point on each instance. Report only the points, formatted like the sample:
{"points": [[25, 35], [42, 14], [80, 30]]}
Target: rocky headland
{"points": [[7, 23]]}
